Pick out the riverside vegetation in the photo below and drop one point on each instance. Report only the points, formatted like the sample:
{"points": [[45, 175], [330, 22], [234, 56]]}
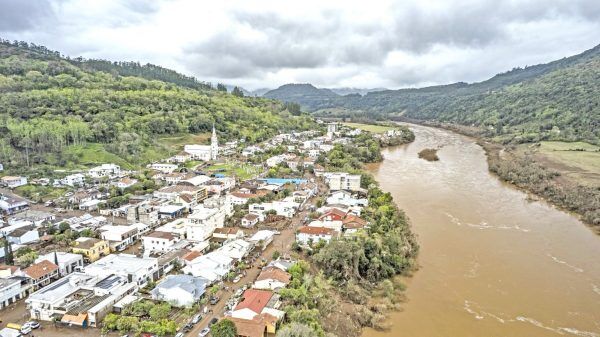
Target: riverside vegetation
{"points": [[349, 283]]}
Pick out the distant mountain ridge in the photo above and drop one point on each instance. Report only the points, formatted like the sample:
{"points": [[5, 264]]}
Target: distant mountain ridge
{"points": [[555, 100]]}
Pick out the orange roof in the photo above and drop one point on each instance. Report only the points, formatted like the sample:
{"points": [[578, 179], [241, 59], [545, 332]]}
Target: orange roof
{"points": [[255, 300], [249, 327], [315, 230], [226, 230], [244, 195], [41, 269], [352, 221], [191, 255], [273, 273], [334, 212]]}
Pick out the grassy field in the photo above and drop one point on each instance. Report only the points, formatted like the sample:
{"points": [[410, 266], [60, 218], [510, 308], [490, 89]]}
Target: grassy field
{"points": [[369, 127], [93, 154], [242, 171], [577, 160], [177, 142]]}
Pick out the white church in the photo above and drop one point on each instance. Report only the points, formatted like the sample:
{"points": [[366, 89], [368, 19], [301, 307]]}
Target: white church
{"points": [[204, 152]]}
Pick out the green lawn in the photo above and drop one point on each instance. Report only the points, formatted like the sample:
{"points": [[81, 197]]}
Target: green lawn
{"points": [[370, 127], [92, 154], [242, 171], [577, 160], [177, 142]]}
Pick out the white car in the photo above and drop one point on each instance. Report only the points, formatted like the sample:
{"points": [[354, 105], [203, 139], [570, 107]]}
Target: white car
{"points": [[204, 332], [25, 329], [196, 319], [32, 324], [237, 279]]}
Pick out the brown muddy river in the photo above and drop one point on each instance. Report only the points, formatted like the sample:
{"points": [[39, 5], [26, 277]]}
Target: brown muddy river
{"points": [[492, 263]]}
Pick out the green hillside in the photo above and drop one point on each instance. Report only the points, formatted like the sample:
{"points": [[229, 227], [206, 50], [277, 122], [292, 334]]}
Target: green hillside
{"points": [[59, 112], [304, 94], [559, 100]]}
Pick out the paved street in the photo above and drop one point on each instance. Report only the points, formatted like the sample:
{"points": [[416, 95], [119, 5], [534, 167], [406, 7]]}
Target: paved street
{"points": [[17, 313]]}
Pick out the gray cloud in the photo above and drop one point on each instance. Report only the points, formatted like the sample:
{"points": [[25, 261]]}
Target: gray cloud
{"points": [[19, 15], [334, 43]]}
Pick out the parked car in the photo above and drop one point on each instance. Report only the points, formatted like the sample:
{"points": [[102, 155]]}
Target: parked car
{"points": [[196, 319], [213, 321], [237, 279], [25, 329], [180, 334], [33, 324], [214, 300], [188, 327], [204, 332]]}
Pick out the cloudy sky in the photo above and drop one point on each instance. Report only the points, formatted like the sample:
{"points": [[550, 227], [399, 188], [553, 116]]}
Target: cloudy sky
{"points": [[346, 43]]}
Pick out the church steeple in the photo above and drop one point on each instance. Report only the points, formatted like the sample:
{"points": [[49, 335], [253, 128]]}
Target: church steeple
{"points": [[214, 144]]}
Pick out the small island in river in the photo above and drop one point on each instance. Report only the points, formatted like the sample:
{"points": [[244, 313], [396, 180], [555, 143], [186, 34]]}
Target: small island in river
{"points": [[429, 154]]}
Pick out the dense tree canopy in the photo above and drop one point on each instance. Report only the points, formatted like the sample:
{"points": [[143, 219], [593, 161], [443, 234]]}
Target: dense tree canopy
{"points": [[49, 105]]}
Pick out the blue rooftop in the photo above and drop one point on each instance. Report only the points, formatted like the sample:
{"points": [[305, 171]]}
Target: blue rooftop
{"points": [[283, 181]]}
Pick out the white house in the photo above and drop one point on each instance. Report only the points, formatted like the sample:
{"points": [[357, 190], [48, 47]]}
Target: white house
{"points": [[121, 236], [212, 266], [126, 183], [272, 278], [275, 160], [76, 179], [342, 181], [262, 238], [87, 298], [180, 290], [139, 270], [181, 157], [13, 182], [67, 262], [23, 235], [105, 170], [11, 205], [250, 220], [251, 150], [163, 167], [159, 242], [307, 234], [345, 198], [284, 208], [236, 249], [255, 302], [202, 223], [10, 291]]}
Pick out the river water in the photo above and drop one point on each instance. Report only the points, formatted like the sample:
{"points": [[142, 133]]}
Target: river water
{"points": [[492, 262]]}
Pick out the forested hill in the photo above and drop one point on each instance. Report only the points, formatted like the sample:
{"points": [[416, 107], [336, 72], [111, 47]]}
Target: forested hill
{"points": [[557, 100], [57, 112], [304, 94]]}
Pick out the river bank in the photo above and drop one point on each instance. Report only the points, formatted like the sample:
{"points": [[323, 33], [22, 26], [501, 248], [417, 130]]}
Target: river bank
{"points": [[530, 173]]}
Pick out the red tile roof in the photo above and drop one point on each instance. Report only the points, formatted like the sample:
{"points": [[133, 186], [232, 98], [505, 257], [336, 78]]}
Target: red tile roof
{"points": [[315, 230], [352, 221], [41, 269], [334, 214], [273, 273], [255, 300], [191, 255], [249, 327]]}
